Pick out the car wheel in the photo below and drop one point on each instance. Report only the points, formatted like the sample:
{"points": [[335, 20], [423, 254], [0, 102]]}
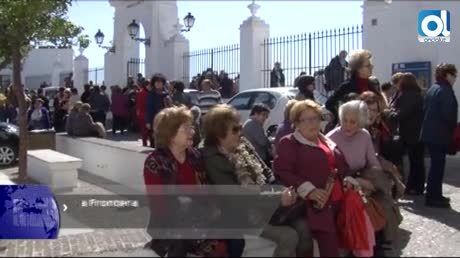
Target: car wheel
{"points": [[7, 155]]}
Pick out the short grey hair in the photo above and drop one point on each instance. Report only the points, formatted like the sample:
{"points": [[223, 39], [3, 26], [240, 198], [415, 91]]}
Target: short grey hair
{"points": [[358, 108]]}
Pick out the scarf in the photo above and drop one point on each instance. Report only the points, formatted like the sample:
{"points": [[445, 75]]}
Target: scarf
{"points": [[250, 169]]}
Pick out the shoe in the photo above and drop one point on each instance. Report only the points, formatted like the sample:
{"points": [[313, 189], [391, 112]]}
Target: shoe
{"points": [[413, 192], [437, 203], [445, 199]]}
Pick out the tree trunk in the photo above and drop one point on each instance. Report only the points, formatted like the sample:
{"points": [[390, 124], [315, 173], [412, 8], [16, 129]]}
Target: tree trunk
{"points": [[22, 116]]}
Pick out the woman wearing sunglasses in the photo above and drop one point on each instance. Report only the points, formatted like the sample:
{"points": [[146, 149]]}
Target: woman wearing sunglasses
{"points": [[222, 139]]}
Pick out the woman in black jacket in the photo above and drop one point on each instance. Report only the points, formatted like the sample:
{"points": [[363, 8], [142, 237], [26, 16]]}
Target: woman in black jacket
{"points": [[361, 69], [406, 112]]}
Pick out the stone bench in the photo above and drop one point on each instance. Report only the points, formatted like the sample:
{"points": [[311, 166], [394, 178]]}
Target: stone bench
{"points": [[57, 170], [115, 162]]}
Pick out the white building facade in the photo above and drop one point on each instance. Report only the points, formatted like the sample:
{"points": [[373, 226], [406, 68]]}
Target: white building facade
{"points": [[390, 32], [49, 65]]}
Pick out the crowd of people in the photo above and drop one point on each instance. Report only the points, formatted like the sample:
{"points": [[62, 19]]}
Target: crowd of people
{"points": [[342, 183], [224, 84]]}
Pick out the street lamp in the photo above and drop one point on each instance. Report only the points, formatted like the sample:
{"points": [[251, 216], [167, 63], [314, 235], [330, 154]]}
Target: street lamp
{"points": [[133, 29], [189, 21], [99, 37]]}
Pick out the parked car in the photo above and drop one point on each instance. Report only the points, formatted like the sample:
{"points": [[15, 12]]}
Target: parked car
{"points": [[9, 144], [193, 95], [274, 98]]}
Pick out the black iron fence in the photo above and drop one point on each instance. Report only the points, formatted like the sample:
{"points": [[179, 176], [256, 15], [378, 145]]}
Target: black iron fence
{"points": [[135, 66], [307, 52], [226, 58], [96, 75]]}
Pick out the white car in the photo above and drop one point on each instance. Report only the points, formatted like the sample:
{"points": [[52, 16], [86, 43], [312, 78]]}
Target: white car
{"points": [[275, 98]]}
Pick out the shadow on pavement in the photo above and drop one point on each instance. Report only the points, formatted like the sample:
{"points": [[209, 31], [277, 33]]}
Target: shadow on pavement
{"points": [[127, 136], [449, 217], [401, 243]]}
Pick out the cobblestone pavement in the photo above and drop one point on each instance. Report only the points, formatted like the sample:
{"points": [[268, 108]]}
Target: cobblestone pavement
{"points": [[424, 231]]}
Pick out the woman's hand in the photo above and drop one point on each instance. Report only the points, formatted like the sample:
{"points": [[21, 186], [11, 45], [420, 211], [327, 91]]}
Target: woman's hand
{"points": [[319, 196], [288, 197]]}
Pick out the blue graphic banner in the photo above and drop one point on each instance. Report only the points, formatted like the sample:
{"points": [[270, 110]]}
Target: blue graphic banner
{"points": [[421, 70], [28, 212]]}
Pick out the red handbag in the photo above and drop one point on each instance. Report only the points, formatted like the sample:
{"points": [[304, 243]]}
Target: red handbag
{"points": [[351, 223], [454, 145]]}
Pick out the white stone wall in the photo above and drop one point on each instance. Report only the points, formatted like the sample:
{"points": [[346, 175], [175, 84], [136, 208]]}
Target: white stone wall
{"points": [[394, 38], [157, 19], [45, 63]]}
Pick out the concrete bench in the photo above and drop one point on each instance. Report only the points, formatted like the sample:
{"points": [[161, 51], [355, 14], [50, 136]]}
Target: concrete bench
{"points": [[116, 162], [57, 170]]}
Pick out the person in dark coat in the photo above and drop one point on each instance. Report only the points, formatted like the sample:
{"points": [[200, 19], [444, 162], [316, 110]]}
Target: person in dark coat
{"points": [[179, 97], [38, 117], [157, 99], [335, 71], [438, 128], [361, 69], [277, 78], [407, 112], [86, 93], [306, 85], [100, 105]]}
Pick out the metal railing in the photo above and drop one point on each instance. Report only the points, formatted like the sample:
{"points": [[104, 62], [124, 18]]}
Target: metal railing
{"points": [[307, 52], [96, 75], [224, 58], [135, 66]]}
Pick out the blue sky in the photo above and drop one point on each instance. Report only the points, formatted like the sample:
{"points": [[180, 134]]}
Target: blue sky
{"points": [[217, 22]]}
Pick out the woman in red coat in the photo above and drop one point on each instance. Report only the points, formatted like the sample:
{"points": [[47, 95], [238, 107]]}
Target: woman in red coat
{"points": [[306, 160], [175, 162], [141, 105]]}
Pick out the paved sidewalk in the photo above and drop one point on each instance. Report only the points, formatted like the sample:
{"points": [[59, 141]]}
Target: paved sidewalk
{"points": [[424, 231]]}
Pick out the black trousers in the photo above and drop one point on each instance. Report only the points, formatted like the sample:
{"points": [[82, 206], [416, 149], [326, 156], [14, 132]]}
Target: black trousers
{"points": [[119, 123], [98, 116], [438, 155], [416, 177]]}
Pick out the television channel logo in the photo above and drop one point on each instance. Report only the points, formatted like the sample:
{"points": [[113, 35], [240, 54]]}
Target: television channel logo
{"points": [[434, 26]]}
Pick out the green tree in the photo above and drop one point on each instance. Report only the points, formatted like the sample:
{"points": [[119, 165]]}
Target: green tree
{"points": [[23, 23]]}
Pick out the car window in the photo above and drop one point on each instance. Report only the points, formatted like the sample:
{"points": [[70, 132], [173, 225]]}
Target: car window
{"points": [[241, 101], [265, 98]]}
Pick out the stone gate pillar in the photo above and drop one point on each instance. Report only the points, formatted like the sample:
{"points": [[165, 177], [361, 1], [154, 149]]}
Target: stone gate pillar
{"points": [[253, 31], [80, 72]]}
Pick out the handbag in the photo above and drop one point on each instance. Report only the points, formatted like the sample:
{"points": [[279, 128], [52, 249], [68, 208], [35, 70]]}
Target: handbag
{"points": [[376, 214]]}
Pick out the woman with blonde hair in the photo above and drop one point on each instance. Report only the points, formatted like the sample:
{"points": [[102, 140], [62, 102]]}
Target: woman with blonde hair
{"points": [[175, 162], [316, 168], [361, 67]]}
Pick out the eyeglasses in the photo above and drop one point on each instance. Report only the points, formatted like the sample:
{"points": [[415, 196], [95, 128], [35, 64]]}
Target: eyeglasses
{"points": [[310, 120], [237, 128], [187, 128]]}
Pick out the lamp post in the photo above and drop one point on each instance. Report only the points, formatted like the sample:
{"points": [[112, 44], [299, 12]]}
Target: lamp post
{"points": [[189, 21], [99, 37], [133, 29]]}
